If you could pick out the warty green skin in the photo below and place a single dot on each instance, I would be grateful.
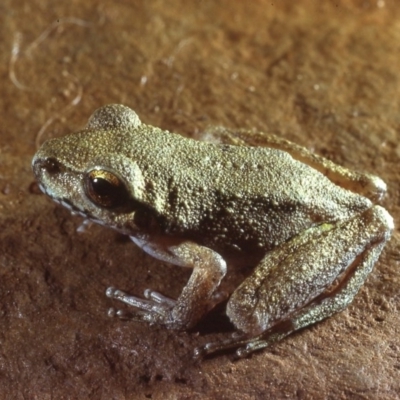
(227, 197)
(224, 203)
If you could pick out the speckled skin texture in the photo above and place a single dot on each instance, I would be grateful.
(322, 74)
(197, 200)
(231, 198)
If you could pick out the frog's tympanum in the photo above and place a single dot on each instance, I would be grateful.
(309, 228)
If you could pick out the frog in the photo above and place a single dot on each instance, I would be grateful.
(309, 229)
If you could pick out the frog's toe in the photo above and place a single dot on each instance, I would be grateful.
(154, 309)
(159, 298)
(110, 292)
(136, 315)
(259, 343)
(236, 339)
(150, 306)
(113, 312)
(244, 344)
(118, 313)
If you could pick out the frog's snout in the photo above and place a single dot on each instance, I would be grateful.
(46, 168)
(49, 174)
(48, 165)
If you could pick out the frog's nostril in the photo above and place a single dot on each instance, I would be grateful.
(49, 164)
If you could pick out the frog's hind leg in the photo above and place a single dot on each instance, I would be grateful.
(318, 311)
(365, 184)
(269, 305)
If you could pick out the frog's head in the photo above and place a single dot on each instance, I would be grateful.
(89, 174)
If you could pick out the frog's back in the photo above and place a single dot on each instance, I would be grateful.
(247, 199)
(258, 196)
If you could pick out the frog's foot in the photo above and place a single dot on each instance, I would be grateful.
(200, 294)
(154, 308)
(242, 342)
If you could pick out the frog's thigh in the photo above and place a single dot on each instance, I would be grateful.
(296, 283)
(367, 185)
(197, 297)
(315, 311)
(341, 298)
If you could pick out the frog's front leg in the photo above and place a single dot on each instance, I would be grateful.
(309, 278)
(197, 297)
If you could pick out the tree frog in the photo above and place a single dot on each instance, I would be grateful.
(309, 227)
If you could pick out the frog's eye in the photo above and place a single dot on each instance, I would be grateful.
(105, 189)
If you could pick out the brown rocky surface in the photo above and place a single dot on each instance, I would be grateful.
(323, 74)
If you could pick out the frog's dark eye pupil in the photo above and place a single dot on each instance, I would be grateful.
(105, 189)
(102, 187)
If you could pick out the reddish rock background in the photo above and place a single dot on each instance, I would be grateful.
(323, 74)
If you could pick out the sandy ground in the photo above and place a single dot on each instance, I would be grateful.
(323, 74)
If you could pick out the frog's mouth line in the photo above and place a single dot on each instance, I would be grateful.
(68, 205)
(75, 211)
